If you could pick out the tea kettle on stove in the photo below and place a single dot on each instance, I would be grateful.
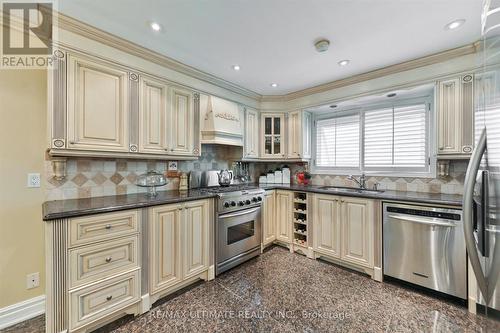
(225, 177)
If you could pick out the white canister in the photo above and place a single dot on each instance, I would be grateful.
(262, 180)
(286, 175)
(270, 178)
(278, 177)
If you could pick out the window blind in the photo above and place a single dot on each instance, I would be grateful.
(396, 137)
(337, 142)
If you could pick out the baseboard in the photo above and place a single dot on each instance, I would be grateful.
(19, 312)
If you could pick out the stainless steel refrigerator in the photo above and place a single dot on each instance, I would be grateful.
(481, 203)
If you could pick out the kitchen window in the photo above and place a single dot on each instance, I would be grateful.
(380, 140)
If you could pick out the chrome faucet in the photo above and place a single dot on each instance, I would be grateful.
(361, 182)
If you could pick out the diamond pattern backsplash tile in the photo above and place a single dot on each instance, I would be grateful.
(98, 177)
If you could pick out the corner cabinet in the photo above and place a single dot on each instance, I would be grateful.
(299, 135)
(455, 117)
(269, 218)
(273, 136)
(251, 141)
(284, 216)
(99, 108)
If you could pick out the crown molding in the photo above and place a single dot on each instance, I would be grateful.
(392, 69)
(85, 30)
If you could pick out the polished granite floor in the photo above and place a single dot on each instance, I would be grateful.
(283, 292)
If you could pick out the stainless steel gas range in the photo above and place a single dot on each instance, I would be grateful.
(238, 224)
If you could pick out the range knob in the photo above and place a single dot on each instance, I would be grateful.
(259, 198)
(247, 202)
(226, 204)
(241, 203)
(254, 199)
(233, 203)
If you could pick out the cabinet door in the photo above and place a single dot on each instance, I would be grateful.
(165, 246)
(98, 105)
(153, 116)
(195, 238)
(182, 124)
(251, 134)
(357, 231)
(326, 219)
(269, 221)
(449, 117)
(284, 216)
(294, 135)
(273, 136)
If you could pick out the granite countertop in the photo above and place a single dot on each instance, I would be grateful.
(59, 209)
(79, 207)
(419, 197)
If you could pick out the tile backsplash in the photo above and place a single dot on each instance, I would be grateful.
(100, 177)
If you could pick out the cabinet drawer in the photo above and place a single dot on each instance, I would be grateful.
(98, 301)
(93, 262)
(89, 229)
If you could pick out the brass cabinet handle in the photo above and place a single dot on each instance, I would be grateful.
(108, 259)
(109, 298)
(108, 226)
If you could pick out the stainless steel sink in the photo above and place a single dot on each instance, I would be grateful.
(349, 189)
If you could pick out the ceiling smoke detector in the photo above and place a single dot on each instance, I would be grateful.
(322, 45)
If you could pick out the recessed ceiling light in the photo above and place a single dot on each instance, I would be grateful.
(343, 62)
(236, 67)
(274, 85)
(322, 45)
(155, 26)
(333, 106)
(454, 24)
(391, 95)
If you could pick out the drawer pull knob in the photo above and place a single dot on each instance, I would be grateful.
(109, 298)
(108, 259)
(108, 226)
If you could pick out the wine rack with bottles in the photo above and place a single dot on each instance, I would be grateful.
(300, 219)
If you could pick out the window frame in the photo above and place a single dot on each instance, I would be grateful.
(430, 170)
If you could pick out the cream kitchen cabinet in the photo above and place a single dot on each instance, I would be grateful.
(273, 136)
(299, 125)
(357, 225)
(455, 117)
(99, 108)
(269, 218)
(179, 244)
(97, 105)
(251, 138)
(343, 229)
(326, 225)
(284, 216)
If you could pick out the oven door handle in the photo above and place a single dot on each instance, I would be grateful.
(239, 213)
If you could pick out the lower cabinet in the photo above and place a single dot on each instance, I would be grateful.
(344, 229)
(284, 216)
(269, 218)
(179, 243)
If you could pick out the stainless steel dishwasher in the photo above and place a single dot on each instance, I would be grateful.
(425, 246)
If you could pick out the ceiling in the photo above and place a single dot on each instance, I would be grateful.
(273, 41)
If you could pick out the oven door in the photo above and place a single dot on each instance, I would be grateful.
(237, 233)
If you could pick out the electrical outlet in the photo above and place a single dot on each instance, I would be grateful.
(32, 280)
(33, 180)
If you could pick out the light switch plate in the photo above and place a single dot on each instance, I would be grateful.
(33, 180)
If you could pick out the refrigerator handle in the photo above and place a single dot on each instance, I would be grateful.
(470, 242)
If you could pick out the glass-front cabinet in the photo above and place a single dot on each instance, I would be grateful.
(273, 135)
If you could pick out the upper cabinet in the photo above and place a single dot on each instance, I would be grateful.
(100, 108)
(97, 104)
(273, 135)
(455, 117)
(299, 135)
(251, 138)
